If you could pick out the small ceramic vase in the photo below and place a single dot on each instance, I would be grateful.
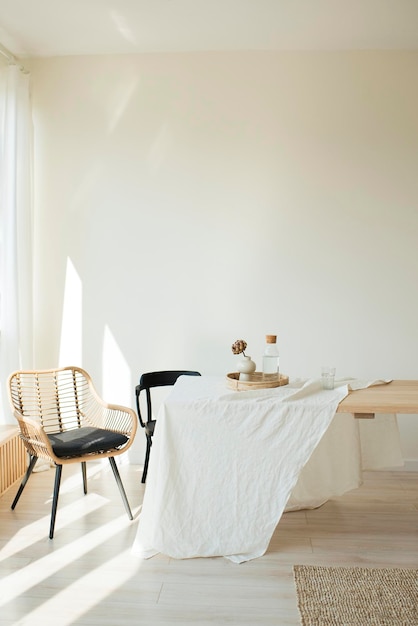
(246, 367)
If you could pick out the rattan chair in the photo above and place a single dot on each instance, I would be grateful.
(147, 382)
(63, 420)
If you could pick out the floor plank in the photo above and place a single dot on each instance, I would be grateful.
(87, 575)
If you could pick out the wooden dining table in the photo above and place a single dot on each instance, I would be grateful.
(226, 464)
(397, 396)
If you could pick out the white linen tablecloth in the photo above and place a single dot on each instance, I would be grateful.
(348, 447)
(224, 463)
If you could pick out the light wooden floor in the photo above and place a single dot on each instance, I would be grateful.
(87, 574)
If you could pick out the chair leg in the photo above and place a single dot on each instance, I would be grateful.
(147, 453)
(57, 483)
(120, 485)
(25, 479)
(84, 471)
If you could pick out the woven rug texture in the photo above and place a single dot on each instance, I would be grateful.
(356, 596)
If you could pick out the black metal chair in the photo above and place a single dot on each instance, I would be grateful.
(146, 383)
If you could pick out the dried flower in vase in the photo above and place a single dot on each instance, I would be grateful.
(239, 346)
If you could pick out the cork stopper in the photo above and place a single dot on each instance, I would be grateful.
(271, 338)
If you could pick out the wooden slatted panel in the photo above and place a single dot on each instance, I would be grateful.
(13, 457)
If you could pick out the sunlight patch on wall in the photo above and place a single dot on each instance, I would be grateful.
(117, 384)
(71, 328)
(124, 93)
(122, 26)
(159, 149)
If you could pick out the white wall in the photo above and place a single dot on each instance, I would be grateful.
(201, 198)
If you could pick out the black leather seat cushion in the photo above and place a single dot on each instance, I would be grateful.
(84, 440)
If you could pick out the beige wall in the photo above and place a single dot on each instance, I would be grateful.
(188, 200)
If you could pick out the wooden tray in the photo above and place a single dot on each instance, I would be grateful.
(257, 381)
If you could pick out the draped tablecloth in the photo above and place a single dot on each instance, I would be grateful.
(224, 464)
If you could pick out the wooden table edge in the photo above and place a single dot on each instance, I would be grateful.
(398, 396)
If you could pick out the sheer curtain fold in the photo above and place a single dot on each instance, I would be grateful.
(16, 311)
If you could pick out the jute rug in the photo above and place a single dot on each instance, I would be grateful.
(356, 596)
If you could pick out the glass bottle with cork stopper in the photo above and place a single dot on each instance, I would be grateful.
(271, 359)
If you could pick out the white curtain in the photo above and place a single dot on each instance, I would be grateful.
(16, 343)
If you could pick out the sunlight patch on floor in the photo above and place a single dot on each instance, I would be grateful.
(97, 591)
(35, 573)
(39, 529)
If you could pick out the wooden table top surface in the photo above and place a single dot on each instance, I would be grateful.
(398, 396)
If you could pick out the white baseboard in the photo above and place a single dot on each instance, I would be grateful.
(410, 465)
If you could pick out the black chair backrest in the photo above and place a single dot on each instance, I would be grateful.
(157, 379)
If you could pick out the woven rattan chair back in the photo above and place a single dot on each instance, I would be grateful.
(58, 410)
